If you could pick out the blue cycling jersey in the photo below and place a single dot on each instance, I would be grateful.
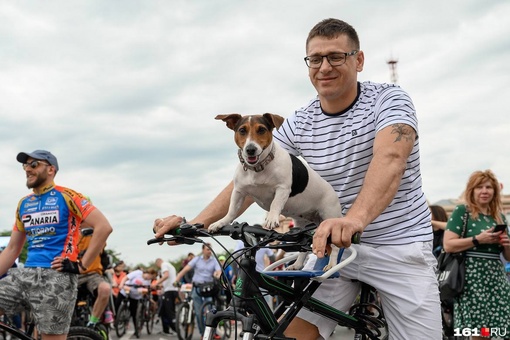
(51, 221)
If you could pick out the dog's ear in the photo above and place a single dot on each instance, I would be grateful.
(275, 120)
(230, 119)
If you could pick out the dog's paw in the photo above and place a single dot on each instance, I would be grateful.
(294, 267)
(327, 267)
(270, 223)
(214, 227)
(333, 257)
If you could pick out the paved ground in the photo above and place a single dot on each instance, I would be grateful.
(340, 334)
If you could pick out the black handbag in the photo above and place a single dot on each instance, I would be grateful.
(451, 271)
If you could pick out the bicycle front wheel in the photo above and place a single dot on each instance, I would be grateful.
(185, 321)
(149, 319)
(140, 315)
(83, 333)
(224, 328)
(122, 320)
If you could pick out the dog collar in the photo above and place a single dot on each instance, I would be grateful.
(260, 166)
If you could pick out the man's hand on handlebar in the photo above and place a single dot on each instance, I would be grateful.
(164, 225)
(340, 230)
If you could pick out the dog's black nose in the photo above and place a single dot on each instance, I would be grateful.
(251, 150)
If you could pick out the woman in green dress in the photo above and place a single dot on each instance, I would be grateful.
(485, 302)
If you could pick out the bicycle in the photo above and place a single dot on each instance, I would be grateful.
(122, 317)
(83, 309)
(75, 333)
(248, 303)
(85, 301)
(185, 314)
(218, 303)
(145, 311)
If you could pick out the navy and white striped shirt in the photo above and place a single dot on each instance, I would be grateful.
(339, 147)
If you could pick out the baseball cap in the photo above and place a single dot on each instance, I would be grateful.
(40, 155)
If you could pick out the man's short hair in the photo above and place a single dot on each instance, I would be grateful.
(332, 28)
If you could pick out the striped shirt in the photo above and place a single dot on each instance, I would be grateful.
(339, 147)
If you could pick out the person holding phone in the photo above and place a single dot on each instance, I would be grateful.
(485, 301)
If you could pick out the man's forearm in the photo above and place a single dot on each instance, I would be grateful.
(379, 188)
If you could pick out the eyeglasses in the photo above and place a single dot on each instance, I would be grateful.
(334, 59)
(33, 164)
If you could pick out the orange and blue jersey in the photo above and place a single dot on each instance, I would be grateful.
(51, 221)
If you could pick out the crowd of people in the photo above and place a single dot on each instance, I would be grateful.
(362, 137)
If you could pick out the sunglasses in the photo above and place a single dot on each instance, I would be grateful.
(33, 164)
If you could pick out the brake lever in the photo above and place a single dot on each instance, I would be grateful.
(176, 239)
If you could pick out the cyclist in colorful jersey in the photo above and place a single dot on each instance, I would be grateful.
(49, 220)
(362, 138)
(95, 282)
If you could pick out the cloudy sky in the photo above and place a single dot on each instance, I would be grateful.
(124, 93)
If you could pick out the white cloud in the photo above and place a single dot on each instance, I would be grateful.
(125, 93)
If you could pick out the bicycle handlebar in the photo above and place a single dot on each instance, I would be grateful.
(295, 239)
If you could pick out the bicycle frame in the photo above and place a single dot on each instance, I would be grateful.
(248, 304)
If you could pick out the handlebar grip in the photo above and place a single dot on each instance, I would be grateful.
(186, 230)
(356, 238)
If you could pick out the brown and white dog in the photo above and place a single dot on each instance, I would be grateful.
(278, 182)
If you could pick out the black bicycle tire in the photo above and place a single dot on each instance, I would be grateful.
(122, 320)
(139, 318)
(82, 333)
(103, 330)
(15, 333)
(204, 309)
(150, 319)
(224, 328)
(183, 328)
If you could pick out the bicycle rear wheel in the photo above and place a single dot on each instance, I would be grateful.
(185, 321)
(83, 333)
(122, 320)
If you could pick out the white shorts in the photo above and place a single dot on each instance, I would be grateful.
(405, 279)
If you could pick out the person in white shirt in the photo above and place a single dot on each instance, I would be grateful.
(167, 310)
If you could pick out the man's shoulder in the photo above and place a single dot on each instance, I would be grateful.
(165, 266)
(377, 87)
(68, 191)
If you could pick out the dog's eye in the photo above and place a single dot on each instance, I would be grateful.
(242, 131)
(261, 130)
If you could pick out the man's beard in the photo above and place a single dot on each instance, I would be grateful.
(37, 183)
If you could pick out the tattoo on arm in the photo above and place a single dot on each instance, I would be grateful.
(403, 132)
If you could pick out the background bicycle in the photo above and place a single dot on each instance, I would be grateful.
(75, 332)
(83, 310)
(123, 315)
(185, 314)
(146, 310)
(218, 303)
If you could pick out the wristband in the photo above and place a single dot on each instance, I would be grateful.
(475, 241)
